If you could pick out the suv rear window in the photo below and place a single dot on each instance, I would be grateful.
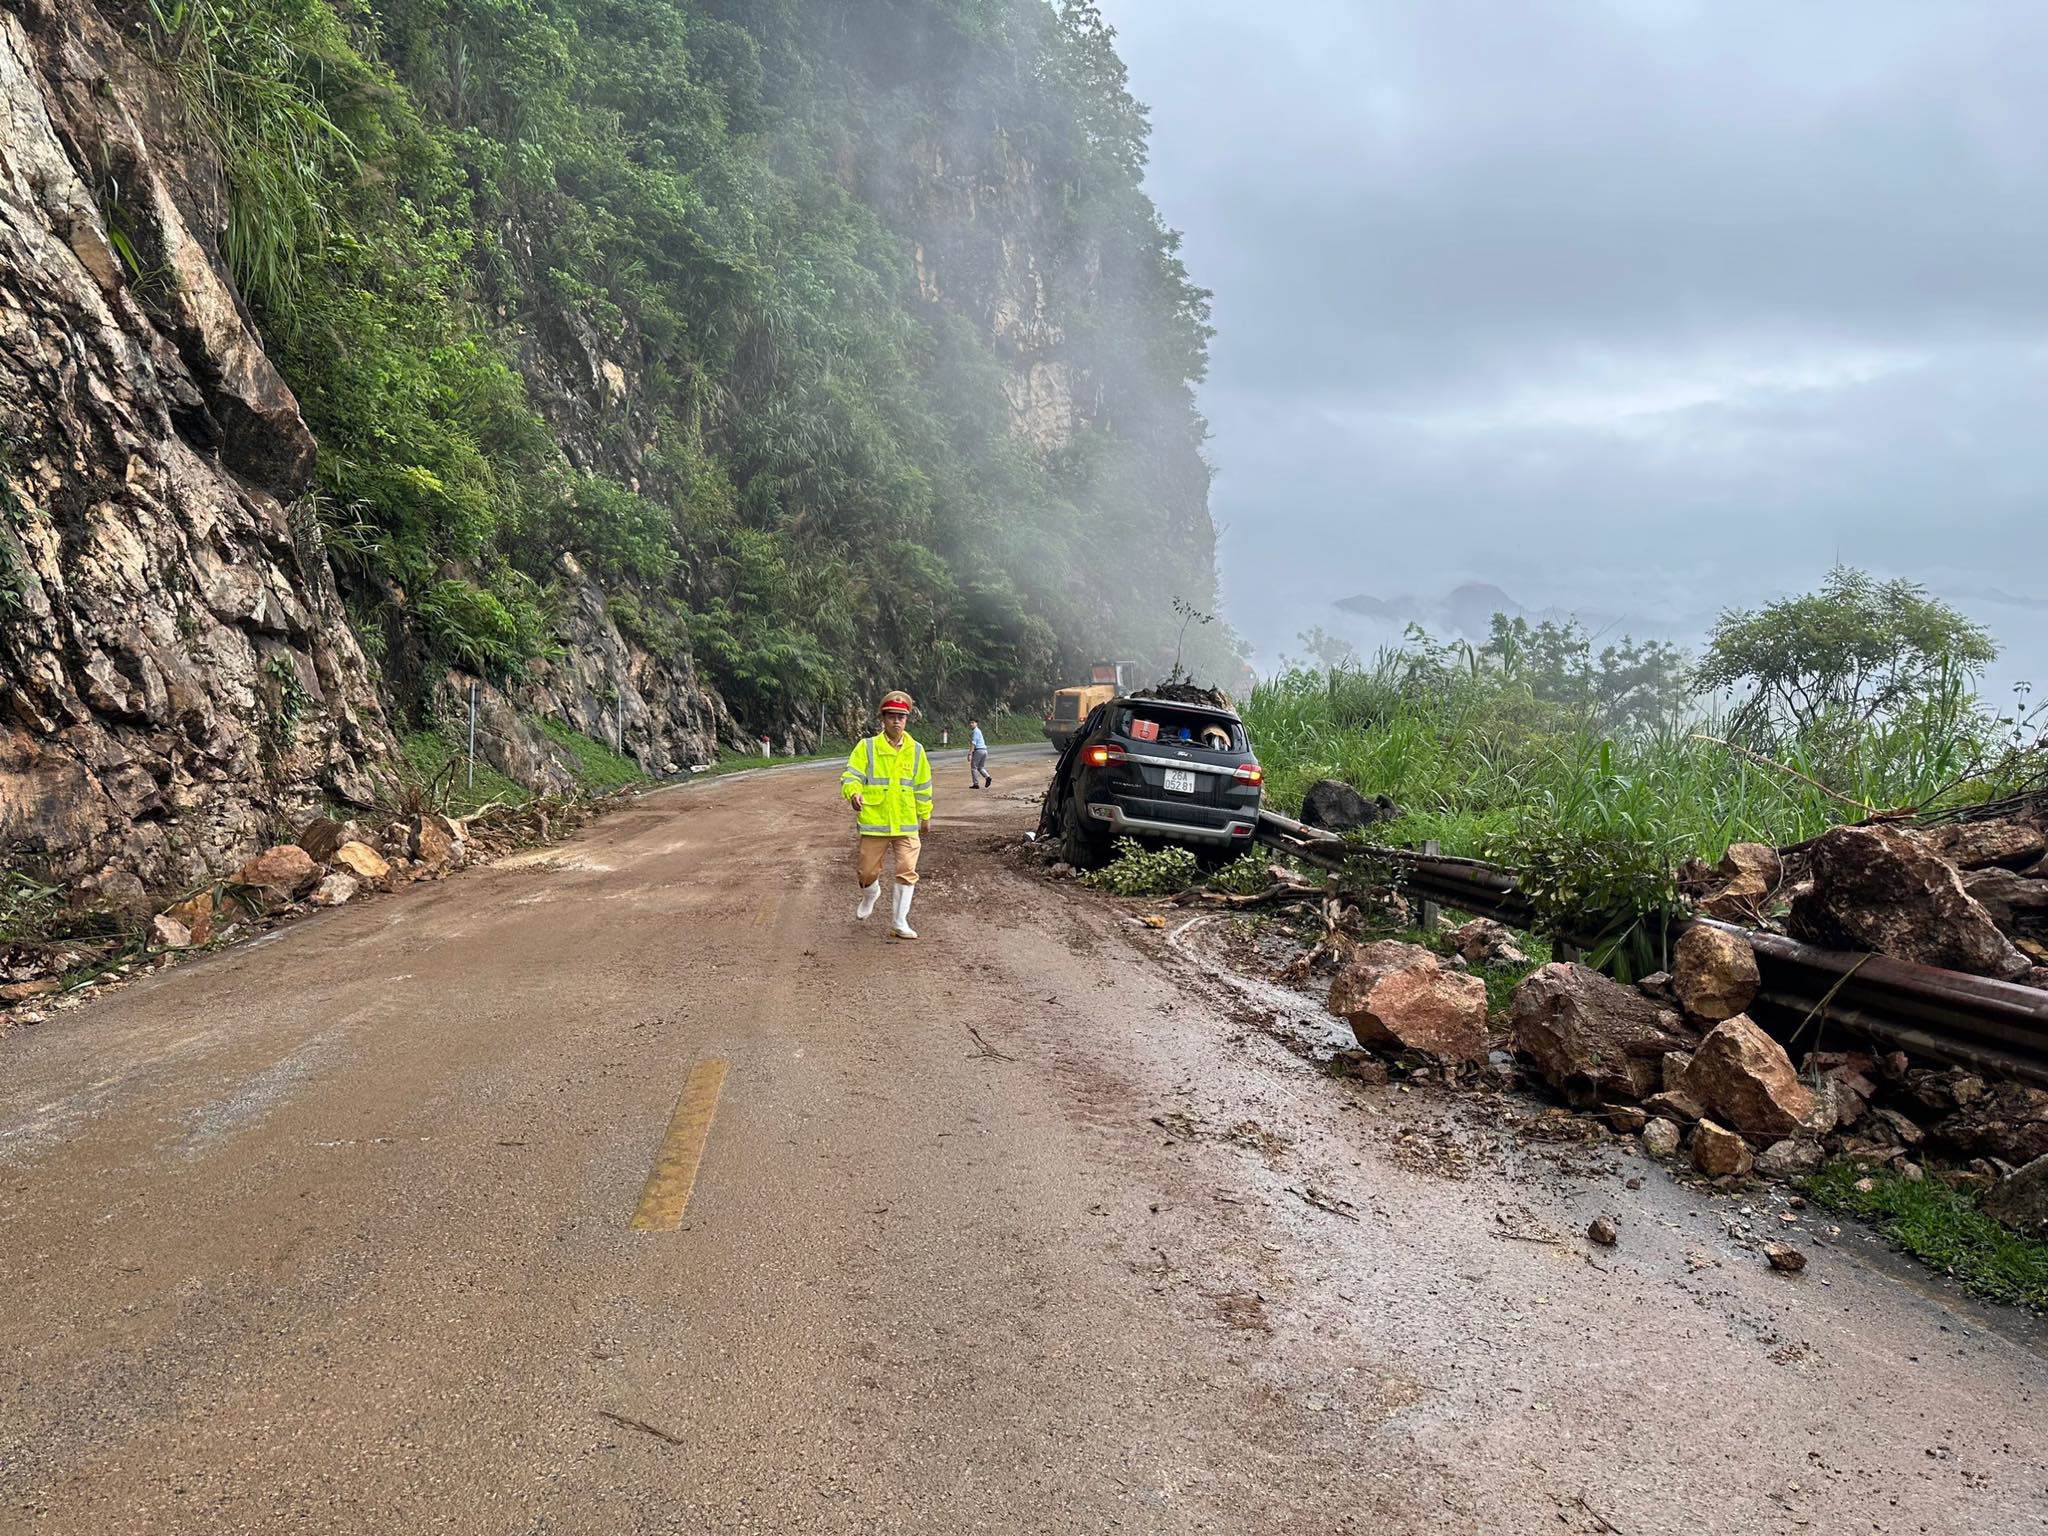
(1180, 726)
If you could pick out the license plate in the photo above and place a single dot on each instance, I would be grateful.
(1180, 780)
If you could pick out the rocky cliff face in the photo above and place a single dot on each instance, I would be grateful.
(176, 675)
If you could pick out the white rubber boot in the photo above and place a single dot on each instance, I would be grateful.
(902, 928)
(869, 895)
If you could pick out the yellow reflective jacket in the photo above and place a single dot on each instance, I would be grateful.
(894, 784)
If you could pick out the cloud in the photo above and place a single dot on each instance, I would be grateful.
(1618, 299)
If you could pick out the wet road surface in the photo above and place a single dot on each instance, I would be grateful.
(1035, 1225)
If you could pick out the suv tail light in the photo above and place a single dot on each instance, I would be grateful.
(1250, 773)
(1103, 756)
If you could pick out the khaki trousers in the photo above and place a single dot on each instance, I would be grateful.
(870, 861)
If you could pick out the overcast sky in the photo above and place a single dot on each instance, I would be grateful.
(1637, 308)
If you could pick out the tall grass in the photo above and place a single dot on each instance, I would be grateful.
(1474, 765)
(1600, 818)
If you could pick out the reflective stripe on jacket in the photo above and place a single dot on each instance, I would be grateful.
(894, 783)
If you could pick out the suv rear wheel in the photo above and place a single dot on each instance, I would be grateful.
(1078, 845)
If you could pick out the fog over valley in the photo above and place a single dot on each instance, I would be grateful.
(1633, 310)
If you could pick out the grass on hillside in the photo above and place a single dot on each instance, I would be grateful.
(430, 758)
(599, 770)
(1941, 1227)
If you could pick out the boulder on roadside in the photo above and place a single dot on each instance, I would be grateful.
(1790, 1159)
(196, 915)
(1662, 1138)
(2009, 1122)
(22, 991)
(1486, 942)
(323, 834)
(1783, 1256)
(166, 932)
(1883, 890)
(1719, 1153)
(1671, 1071)
(1400, 995)
(1743, 1077)
(282, 872)
(1335, 806)
(2006, 896)
(2020, 1200)
(1714, 972)
(434, 841)
(1976, 844)
(1592, 1038)
(1674, 1104)
(1742, 884)
(360, 860)
(334, 890)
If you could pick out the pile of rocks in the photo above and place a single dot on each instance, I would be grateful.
(1676, 1061)
(1963, 895)
(331, 863)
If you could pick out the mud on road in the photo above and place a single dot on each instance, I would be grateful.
(1044, 1223)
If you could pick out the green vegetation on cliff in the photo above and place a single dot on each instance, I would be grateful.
(745, 303)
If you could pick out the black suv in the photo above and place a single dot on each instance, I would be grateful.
(1158, 771)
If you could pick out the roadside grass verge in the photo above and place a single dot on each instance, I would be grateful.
(599, 770)
(428, 757)
(1942, 1228)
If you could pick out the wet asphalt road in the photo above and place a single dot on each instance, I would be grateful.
(1027, 1227)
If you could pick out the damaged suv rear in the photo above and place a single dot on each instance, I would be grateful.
(1160, 770)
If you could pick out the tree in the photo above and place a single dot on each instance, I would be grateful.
(1857, 650)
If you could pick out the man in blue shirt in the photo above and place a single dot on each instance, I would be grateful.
(977, 757)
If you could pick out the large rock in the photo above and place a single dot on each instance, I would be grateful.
(1486, 942)
(360, 860)
(1714, 972)
(1718, 1152)
(281, 872)
(1400, 995)
(1883, 890)
(1742, 885)
(334, 890)
(1790, 1159)
(2020, 1200)
(195, 914)
(434, 841)
(1592, 1038)
(1742, 1077)
(2010, 1122)
(2006, 896)
(323, 834)
(1975, 844)
(1335, 806)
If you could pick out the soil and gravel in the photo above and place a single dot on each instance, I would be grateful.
(1051, 1221)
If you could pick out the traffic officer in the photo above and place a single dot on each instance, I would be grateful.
(888, 782)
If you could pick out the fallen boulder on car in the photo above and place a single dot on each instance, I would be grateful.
(1742, 1077)
(1400, 996)
(1593, 1039)
(1883, 890)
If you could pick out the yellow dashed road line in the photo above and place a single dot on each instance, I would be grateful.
(674, 1175)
